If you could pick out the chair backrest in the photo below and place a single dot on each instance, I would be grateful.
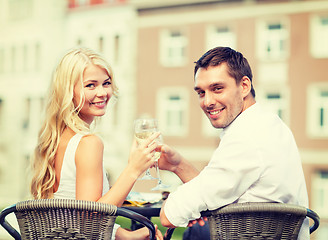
(67, 219)
(258, 221)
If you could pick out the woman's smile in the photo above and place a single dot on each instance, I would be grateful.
(95, 90)
(100, 104)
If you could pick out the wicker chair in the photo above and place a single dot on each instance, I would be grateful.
(67, 219)
(270, 221)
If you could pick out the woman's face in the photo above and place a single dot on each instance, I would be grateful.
(97, 89)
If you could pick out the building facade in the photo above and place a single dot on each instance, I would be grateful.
(27, 55)
(286, 44)
(34, 35)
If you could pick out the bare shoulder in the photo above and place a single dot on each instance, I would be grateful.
(91, 141)
(90, 145)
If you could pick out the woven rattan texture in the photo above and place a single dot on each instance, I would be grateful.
(65, 219)
(250, 221)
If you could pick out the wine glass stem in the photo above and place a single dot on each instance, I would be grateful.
(147, 173)
(157, 172)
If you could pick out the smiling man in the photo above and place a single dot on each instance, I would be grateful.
(257, 159)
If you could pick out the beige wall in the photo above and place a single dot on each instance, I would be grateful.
(303, 70)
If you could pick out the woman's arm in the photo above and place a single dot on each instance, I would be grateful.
(139, 234)
(89, 169)
(141, 158)
(89, 177)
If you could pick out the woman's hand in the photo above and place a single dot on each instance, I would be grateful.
(142, 154)
(141, 158)
(139, 234)
(143, 234)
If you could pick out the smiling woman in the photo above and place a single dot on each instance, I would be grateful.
(68, 159)
(93, 92)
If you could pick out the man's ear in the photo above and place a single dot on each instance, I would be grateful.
(246, 86)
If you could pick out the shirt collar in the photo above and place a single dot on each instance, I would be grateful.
(239, 118)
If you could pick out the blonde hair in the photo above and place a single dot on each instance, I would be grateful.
(61, 113)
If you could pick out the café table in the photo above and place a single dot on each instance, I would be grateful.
(148, 210)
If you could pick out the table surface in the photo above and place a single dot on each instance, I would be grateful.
(148, 210)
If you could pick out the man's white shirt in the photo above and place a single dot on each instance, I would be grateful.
(257, 160)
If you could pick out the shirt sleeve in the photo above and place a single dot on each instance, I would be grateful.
(115, 227)
(234, 167)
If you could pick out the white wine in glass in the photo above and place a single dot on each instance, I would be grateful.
(143, 129)
(160, 185)
(142, 136)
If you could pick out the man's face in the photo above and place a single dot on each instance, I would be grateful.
(221, 99)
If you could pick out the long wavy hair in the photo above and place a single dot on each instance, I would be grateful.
(61, 113)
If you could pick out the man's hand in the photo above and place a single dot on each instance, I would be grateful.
(170, 158)
(172, 161)
(200, 221)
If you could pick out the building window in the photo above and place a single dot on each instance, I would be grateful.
(319, 36)
(117, 46)
(19, 59)
(27, 115)
(220, 36)
(31, 118)
(272, 40)
(320, 193)
(13, 59)
(1, 114)
(2, 174)
(2, 61)
(172, 105)
(275, 102)
(317, 123)
(322, 232)
(20, 9)
(320, 201)
(25, 58)
(82, 2)
(101, 44)
(173, 48)
(275, 99)
(37, 57)
(79, 42)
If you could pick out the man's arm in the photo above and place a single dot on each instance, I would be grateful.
(172, 161)
(164, 221)
(186, 171)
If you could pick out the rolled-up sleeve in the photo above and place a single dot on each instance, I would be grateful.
(115, 227)
(233, 168)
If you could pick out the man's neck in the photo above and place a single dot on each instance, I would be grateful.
(248, 101)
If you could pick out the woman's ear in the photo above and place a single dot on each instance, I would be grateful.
(246, 86)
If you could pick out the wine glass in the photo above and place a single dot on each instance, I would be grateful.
(143, 128)
(160, 185)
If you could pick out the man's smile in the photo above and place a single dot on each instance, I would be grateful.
(215, 113)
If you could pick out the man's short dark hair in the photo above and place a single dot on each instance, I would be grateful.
(238, 66)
